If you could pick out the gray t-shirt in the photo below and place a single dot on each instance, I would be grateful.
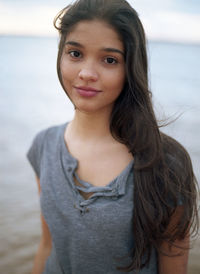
(88, 236)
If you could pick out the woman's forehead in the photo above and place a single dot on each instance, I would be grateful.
(95, 33)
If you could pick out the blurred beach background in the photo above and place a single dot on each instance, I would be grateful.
(31, 99)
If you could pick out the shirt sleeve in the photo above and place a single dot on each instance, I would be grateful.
(34, 153)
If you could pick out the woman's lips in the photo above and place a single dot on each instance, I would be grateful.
(87, 91)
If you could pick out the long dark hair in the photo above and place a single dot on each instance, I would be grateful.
(163, 174)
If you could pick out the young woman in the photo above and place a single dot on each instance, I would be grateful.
(117, 195)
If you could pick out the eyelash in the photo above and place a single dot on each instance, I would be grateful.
(71, 52)
(114, 59)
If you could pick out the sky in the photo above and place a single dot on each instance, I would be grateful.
(169, 20)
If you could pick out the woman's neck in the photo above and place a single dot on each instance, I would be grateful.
(90, 126)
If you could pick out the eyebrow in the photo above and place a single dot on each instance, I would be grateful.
(76, 44)
(113, 50)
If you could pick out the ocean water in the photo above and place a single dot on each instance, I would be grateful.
(31, 99)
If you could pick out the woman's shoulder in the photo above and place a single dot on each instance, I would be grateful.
(45, 141)
(51, 132)
(175, 155)
(47, 137)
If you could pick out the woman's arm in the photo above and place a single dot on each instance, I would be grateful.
(44, 246)
(174, 264)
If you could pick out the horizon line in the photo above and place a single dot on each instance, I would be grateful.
(149, 39)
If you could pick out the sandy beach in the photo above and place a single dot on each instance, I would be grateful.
(194, 259)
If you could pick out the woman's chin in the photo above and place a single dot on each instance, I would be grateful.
(92, 109)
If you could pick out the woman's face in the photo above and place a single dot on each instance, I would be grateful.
(92, 66)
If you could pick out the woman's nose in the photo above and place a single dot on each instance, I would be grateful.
(88, 74)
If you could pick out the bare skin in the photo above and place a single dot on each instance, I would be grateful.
(167, 264)
(89, 61)
(96, 151)
(45, 244)
(176, 264)
(94, 154)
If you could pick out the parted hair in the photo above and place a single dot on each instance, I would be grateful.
(163, 173)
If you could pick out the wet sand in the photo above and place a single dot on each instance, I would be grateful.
(194, 259)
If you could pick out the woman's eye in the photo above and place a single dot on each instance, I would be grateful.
(74, 53)
(110, 60)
